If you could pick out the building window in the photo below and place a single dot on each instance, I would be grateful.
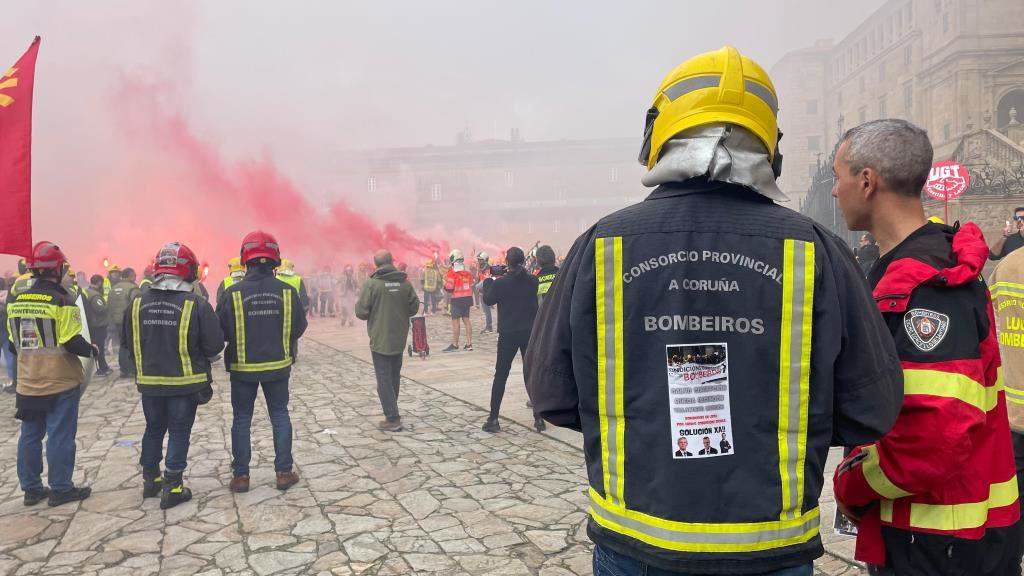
(908, 98)
(613, 175)
(812, 106)
(899, 21)
(529, 226)
(910, 13)
(881, 71)
(813, 143)
(862, 83)
(435, 192)
(862, 115)
(945, 21)
(883, 108)
(947, 132)
(555, 227)
(907, 53)
(371, 184)
(510, 178)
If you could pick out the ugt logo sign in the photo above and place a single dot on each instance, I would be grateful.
(947, 180)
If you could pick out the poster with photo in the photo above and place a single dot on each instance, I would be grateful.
(698, 396)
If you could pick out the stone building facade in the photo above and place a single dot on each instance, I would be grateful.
(504, 190)
(953, 67)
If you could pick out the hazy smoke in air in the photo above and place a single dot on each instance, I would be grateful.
(175, 186)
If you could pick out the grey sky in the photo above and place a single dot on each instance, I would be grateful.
(299, 81)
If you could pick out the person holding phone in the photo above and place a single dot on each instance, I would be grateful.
(1012, 238)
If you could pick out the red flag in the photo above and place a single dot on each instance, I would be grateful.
(16, 154)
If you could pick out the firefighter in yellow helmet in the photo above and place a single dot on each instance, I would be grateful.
(286, 273)
(711, 344)
(113, 277)
(236, 271)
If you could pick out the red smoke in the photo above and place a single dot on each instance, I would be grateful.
(173, 185)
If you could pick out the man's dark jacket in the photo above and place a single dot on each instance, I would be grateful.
(515, 293)
(807, 363)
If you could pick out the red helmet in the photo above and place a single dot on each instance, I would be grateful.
(260, 244)
(48, 256)
(179, 260)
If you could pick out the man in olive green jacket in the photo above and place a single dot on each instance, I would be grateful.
(386, 302)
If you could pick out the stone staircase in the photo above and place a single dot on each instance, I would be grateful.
(989, 147)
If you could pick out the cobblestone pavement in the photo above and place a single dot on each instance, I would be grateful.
(442, 497)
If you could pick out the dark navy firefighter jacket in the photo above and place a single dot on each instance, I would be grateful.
(262, 318)
(169, 338)
(709, 314)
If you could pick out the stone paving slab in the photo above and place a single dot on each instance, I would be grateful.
(442, 497)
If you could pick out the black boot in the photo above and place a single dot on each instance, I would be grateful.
(152, 483)
(73, 495)
(174, 492)
(491, 425)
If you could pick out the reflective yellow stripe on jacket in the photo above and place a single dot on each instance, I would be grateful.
(187, 377)
(794, 371)
(952, 385)
(612, 511)
(240, 364)
(950, 517)
(1006, 289)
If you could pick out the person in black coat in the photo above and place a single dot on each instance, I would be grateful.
(514, 291)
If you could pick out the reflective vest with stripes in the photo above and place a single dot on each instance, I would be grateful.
(262, 319)
(293, 280)
(171, 337)
(947, 465)
(697, 340)
(40, 320)
(545, 276)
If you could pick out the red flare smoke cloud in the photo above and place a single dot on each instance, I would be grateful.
(173, 185)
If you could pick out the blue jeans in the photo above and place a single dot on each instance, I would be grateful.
(243, 400)
(608, 562)
(59, 427)
(172, 416)
(10, 360)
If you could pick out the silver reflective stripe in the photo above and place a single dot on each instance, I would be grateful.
(691, 85)
(697, 535)
(794, 376)
(608, 257)
(762, 93)
(47, 324)
(688, 85)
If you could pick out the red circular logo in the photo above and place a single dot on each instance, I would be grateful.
(948, 180)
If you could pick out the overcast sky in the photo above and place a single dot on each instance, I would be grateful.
(299, 81)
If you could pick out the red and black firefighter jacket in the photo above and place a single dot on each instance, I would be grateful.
(262, 318)
(946, 467)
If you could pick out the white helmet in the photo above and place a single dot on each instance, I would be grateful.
(483, 256)
(455, 256)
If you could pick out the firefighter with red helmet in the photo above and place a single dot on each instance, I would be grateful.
(262, 319)
(170, 335)
(46, 327)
